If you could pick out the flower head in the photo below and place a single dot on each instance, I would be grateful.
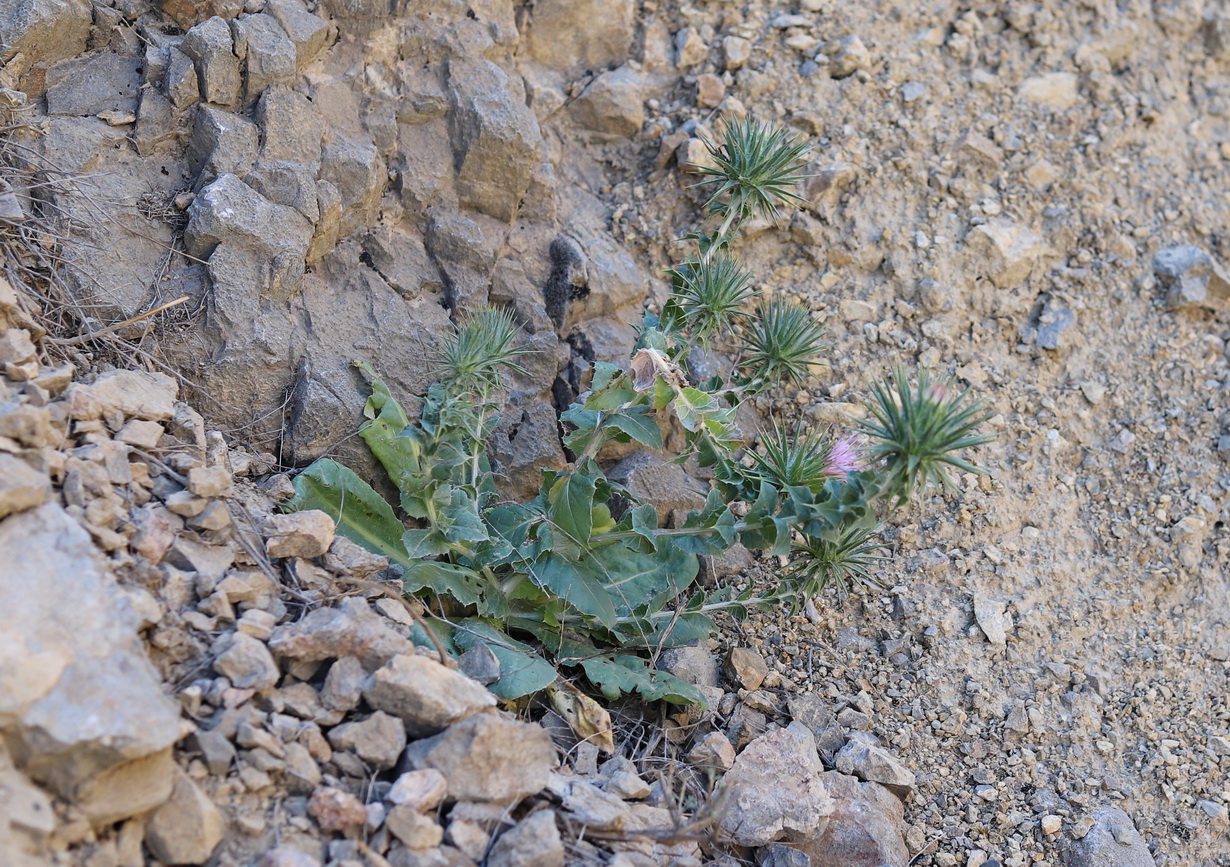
(845, 458)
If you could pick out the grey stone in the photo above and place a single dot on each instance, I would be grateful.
(480, 664)
(181, 82)
(21, 486)
(351, 629)
(291, 127)
(465, 247)
(533, 842)
(401, 259)
(1113, 841)
(355, 168)
(287, 183)
(574, 35)
(222, 143)
(97, 82)
(230, 211)
(349, 558)
(155, 123)
(216, 749)
(696, 664)
(425, 694)
(711, 752)
(495, 137)
(523, 445)
(44, 31)
(815, 713)
(248, 664)
(268, 54)
(309, 33)
(778, 855)
(990, 616)
(874, 764)
(865, 828)
(77, 695)
(1191, 277)
(665, 486)
(343, 685)
(377, 740)
(488, 758)
(187, 828)
(613, 104)
(211, 48)
(777, 789)
(1054, 326)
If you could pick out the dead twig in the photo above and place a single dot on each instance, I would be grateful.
(111, 329)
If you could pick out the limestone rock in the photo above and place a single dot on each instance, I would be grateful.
(864, 830)
(44, 31)
(1191, 277)
(1006, 251)
(573, 35)
(377, 740)
(268, 54)
(667, 487)
(300, 534)
(335, 809)
(422, 790)
(229, 211)
(133, 393)
(211, 49)
(746, 668)
(247, 663)
(86, 86)
(222, 143)
(712, 752)
(613, 104)
(1055, 89)
(355, 168)
(1113, 841)
(21, 486)
(351, 629)
(488, 758)
(425, 694)
(309, 33)
(533, 842)
(77, 695)
(495, 138)
(874, 764)
(187, 828)
(777, 789)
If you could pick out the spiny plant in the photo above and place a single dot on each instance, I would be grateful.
(560, 583)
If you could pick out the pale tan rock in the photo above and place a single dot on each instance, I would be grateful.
(187, 828)
(425, 694)
(1056, 89)
(133, 393)
(300, 534)
(21, 486)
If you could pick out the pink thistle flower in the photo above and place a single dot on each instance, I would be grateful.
(845, 458)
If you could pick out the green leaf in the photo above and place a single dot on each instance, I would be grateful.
(692, 404)
(581, 585)
(572, 504)
(522, 671)
(638, 423)
(464, 585)
(635, 580)
(361, 514)
(620, 674)
(644, 520)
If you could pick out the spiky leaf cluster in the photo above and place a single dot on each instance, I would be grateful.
(783, 343)
(843, 561)
(917, 431)
(710, 294)
(479, 347)
(755, 170)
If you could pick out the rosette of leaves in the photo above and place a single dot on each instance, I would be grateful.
(563, 585)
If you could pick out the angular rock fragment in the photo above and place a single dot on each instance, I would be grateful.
(21, 486)
(865, 828)
(533, 842)
(573, 35)
(187, 828)
(424, 694)
(874, 764)
(613, 104)
(350, 629)
(488, 758)
(211, 49)
(1191, 277)
(777, 790)
(300, 534)
(1112, 841)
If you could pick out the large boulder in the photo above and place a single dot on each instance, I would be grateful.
(79, 700)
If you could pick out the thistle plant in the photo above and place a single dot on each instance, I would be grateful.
(559, 586)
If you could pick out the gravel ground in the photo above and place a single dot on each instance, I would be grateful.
(993, 186)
